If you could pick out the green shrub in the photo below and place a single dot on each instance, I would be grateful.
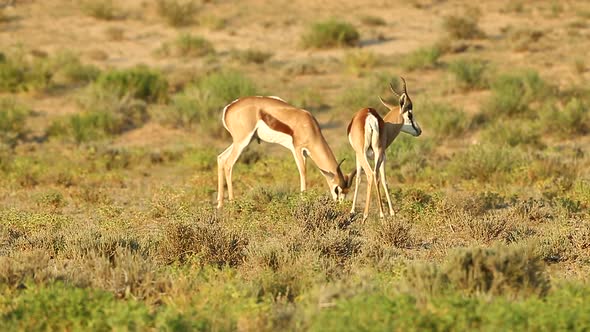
(202, 102)
(423, 58)
(408, 150)
(187, 45)
(250, 56)
(70, 70)
(444, 120)
(513, 93)
(13, 118)
(514, 133)
(19, 74)
(373, 310)
(101, 9)
(52, 198)
(462, 27)
(572, 120)
(470, 74)
(139, 82)
(61, 307)
(178, 13)
(331, 33)
(105, 114)
(485, 162)
(207, 240)
(510, 271)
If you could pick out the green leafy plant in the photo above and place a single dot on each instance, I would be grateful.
(331, 33)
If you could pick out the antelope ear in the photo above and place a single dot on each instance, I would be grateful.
(385, 103)
(327, 174)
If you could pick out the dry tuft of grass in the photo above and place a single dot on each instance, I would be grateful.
(463, 27)
(331, 33)
(178, 13)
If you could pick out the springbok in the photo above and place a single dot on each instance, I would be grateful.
(370, 135)
(273, 120)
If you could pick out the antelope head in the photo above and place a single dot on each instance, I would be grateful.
(340, 183)
(410, 125)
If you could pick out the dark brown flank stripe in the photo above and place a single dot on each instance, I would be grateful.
(376, 115)
(275, 124)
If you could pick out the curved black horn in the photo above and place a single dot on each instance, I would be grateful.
(405, 90)
(393, 90)
(341, 161)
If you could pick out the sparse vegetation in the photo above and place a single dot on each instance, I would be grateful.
(139, 82)
(470, 74)
(201, 102)
(105, 114)
(423, 58)
(187, 45)
(331, 33)
(463, 27)
(108, 169)
(513, 93)
(102, 9)
(13, 117)
(360, 61)
(372, 20)
(251, 56)
(178, 13)
(443, 120)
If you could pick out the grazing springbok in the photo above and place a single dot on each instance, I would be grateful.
(273, 120)
(370, 135)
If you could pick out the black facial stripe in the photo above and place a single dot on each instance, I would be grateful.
(413, 126)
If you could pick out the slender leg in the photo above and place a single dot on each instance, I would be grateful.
(362, 158)
(300, 160)
(231, 159)
(221, 159)
(358, 181)
(385, 187)
(378, 160)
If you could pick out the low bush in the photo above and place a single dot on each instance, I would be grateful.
(573, 120)
(187, 45)
(17, 73)
(443, 120)
(331, 33)
(484, 162)
(105, 114)
(470, 74)
(423, 58)
(514, 271)
(465, 27)
(513, 93)
(201, 102)
(13, 118)
(177, 13)
(521, 133)
(102, 9)
(205, 241)
(138, 82)
(251, 56)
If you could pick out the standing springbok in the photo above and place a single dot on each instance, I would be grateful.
(272, 120)
(370, 135)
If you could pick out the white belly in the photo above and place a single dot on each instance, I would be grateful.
(266, 134)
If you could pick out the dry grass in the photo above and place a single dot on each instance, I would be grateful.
(108, 163)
